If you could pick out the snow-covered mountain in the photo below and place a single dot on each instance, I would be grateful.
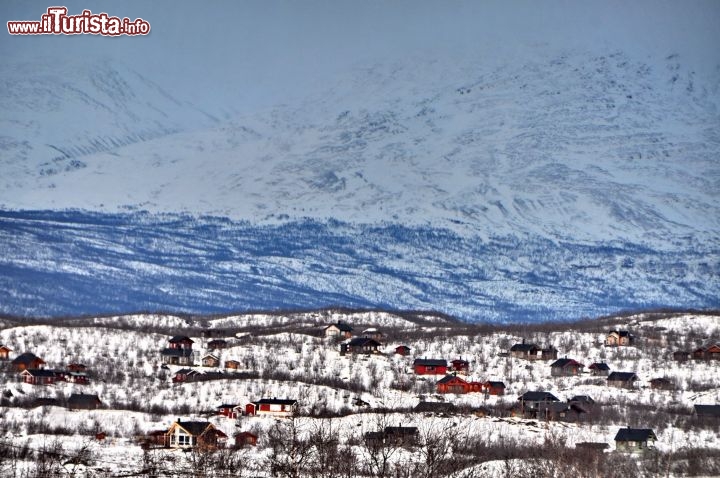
(566, 146)
(57, 116)
(476, 188)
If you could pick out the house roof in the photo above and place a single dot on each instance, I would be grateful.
(451, 378)
(5, 347)
(275, 401)
(622, 377)
(193, 428)
(404, 347)
(524, 348)
(439, 407)
(708, 410)
(493, 384)
(178, 339)
(431, 362)
(599, 366)
(77, 399)
(460, 361)
(341, 326)
(582, 399)
(591, 445)
(226, 405)
(26, 359)
(177, 352)
(538, 396)
(635, 434)
(185, 371)
(566, 362)
(401, 431)
(621, 333)
(36, 372)
(244, 434)
(363, 342)
(217, 343)
(210, 356)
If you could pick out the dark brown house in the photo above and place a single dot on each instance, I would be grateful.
(360, 345)
(599, 369)
(533, 352)
(709, 352)
(662, 383)
(5, 352)
(708, 412)
(232, 364)
(531, 401)
(27, 360)
(622, 379)
(635, 439)
(566, 367)
(681, 356)
(83, 401)
(217, 344)
(179, 351)
(559, 411)
(403, 350)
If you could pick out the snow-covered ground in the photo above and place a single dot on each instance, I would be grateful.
(126, 372)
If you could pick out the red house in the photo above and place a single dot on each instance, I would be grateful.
(180, 342)
(232, 364)
(272, 406)
(455, 384)
(403, 350)
(430, 366)
(460, 366)
(186, 375)
(494, 388)
(229, 410)
(38, 376)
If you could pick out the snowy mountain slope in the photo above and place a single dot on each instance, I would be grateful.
(54, 114)
(561, 146)
(72, 263)
(566, 185)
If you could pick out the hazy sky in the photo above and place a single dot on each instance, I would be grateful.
(252, 50)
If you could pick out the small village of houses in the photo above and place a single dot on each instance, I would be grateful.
(453, 376)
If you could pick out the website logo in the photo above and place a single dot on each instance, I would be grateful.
(57, 22)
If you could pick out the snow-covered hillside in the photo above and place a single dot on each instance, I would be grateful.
(123, 359)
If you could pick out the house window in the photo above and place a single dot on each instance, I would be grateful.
(184, 440)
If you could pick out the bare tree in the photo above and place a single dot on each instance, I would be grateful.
(289, 452)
